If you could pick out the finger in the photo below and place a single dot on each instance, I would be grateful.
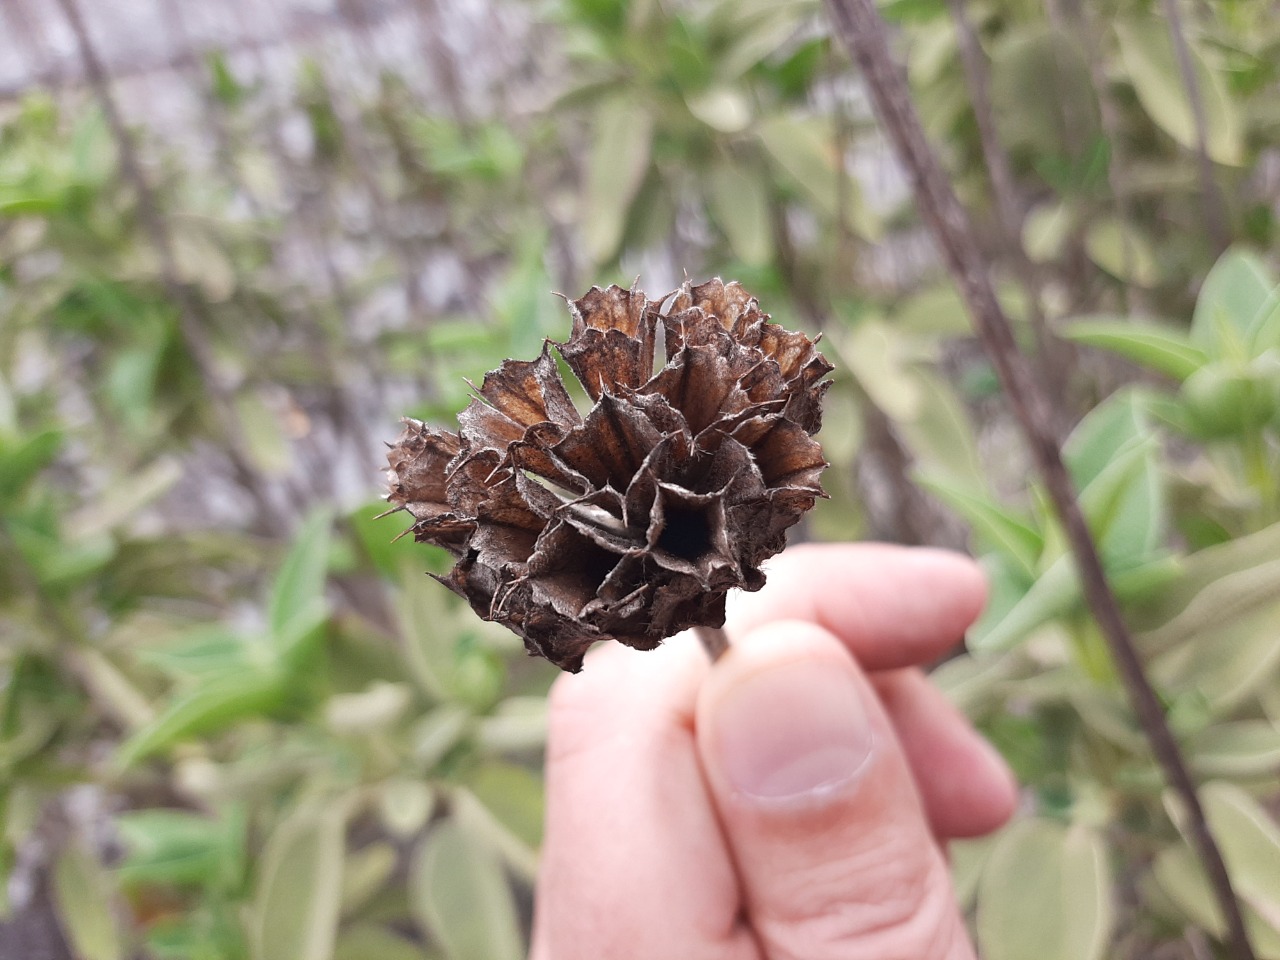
(633, 864)
(834, 853)
(891, 606)
(966, 787)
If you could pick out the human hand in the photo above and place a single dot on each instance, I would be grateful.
(791, 801)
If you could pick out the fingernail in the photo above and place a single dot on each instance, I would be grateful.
(797, 730)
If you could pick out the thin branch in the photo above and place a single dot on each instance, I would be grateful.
(999, 168)
(1112, 129)
(442, 61)
(910, 515)
(1215, 212)
(191, 318)
(862, 30)
(714, 640)
(1004, 188)
(366, 171)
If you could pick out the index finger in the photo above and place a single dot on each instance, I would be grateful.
(935, 595)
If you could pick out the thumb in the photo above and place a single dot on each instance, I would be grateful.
(818, 805)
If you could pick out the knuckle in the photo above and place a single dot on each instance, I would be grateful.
(912, 916)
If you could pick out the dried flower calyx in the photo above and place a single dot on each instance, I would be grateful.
(633, 521)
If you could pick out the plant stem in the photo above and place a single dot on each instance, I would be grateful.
(192, 319)
(1005, 192)
(1214, 208)
(714, 640)
(1083, 17)
(1258, 474)
(860, 27)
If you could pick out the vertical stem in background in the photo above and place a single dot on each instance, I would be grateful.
(859, 26)
(1005, 191)
(442, 61)
(192, 319)
(17, 17)
(1111, 129)
(1215, 211)
(367, 167)
(714, 640)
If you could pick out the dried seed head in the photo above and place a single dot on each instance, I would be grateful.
(634, 521)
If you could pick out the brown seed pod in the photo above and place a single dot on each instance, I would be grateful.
(634, 521)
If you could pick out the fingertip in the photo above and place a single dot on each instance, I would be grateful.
(999, 789)
(959, 578)
(891, 606)
(818, 803)
(967, 788)
(780, 716)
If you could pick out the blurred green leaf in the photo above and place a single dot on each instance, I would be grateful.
(405, 806)
(1054, 593)
(514, 796)
(516, 724)
(296, 907)
(367, 941)
(212, 706)
(1057, 875)
(1163, 350)
(1122, 251)
(618, 162)
(1124, 504)
(86, 910)
(1242, 658)
(1245, 748)
(21, 458)
(263, 435)
(1178, 873)
(59, 562)
(297, 597)
(1250, 844)
(1012, 537)
(377, 538)
(461, 896)
(1228, 399)
(805, 153)
(222, 81)
(1046, 230)
(1250, 841)
(1033, 65)
(739, 203)
(1234, 294)
(723, 108)
(1148, 54)
(174, 847)
(1234, 576)
(365, 873)
(1108, 429)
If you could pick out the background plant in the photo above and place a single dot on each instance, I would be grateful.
(226, 697)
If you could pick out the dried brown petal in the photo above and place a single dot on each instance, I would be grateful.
(634, 521)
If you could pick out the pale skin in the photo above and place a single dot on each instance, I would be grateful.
(792, 801)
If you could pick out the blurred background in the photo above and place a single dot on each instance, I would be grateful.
(239, 239)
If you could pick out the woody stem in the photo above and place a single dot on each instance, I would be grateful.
(714, 640)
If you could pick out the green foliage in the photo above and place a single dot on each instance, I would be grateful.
(309, 750)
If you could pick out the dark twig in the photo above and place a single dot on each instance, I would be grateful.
(1215, 213)
(714, 640)
(1004, 190)
(862, 30)
(1112, 129)
(192, 319)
